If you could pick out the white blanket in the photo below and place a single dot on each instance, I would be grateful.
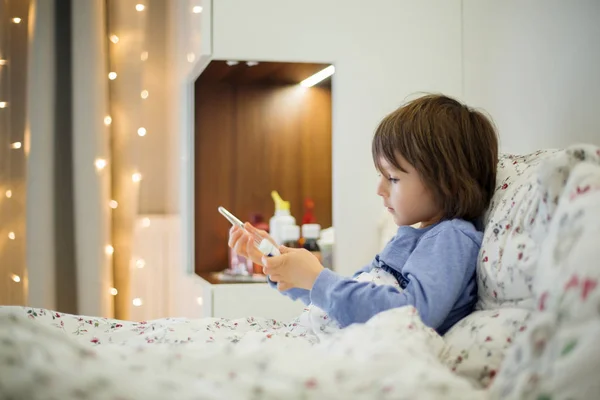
(316, 322)
(47, 355)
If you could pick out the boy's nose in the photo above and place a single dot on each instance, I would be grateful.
(381, 191)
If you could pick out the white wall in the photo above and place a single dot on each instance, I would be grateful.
(188, 44)
(383, 51)
(535, 67)
(91, 141)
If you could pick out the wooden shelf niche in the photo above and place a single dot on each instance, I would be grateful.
(258, 130)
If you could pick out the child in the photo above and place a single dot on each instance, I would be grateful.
(437, 163)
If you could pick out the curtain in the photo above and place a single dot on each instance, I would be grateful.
(14, 146)
(95, 125)
(54, 212)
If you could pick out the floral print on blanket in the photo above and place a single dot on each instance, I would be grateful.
(394, 355)
(98, 331)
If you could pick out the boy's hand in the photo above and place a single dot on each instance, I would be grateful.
(243, 243)
(293, 268)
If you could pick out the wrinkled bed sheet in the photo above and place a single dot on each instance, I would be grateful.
(48, 355)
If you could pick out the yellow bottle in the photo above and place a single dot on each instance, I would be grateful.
(281, 218)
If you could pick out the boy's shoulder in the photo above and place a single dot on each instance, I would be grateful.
(455, 226)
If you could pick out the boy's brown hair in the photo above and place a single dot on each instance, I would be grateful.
(453, 147)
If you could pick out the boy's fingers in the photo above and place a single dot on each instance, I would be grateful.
(249, 227)
(259, 232)
(253, 253)
(273, 263)
(234, 236)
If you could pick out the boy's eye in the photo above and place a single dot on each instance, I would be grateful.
(393, 180)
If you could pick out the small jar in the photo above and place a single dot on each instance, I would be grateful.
(291, 236)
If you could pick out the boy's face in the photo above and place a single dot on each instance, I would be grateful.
(405, 195)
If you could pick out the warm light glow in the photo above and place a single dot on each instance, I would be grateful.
(16, 278)
(191, 57)
(8, 194)
(16, 145)
(144, 94)
(3, 104)
(197, 9)
(142, 132)
(146, 222)
(114, 39)
(136, 177)
(114, 291)
(107, 120)
(318, 77)
(144, 56)
(11, 235)
(100, 163)
(139, 7)
(109, 250)
(140, 263)
(16, 20)
(200, 301)
(137, 302)
(2, 62)
(113, 204)
(112, 76)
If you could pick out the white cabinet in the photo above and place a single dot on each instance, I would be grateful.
(238, 300)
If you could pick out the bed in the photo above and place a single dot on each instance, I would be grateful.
(533, 335)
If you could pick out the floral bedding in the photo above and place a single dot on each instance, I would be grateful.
(533, 336)
(49, 355)
(558, 356)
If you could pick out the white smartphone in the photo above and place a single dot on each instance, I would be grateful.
(264, 245)
(231, 218)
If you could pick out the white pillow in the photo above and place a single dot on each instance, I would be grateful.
(515, 224)
(558, 356)
(476, 345)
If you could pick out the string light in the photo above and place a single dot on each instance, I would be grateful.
(114, 291)
(137, 302)
(16, 278)
(109, 250)
(139, 7)
(140, 263)
(142, 132)
(144, 94)
(3, 104)
(16, 20)
(197, 9)
(136, 177)
(112, 76)
(16, 145)
(2, 62)
(8, 194)
(191, 57)
(114, 39)
(113, 204)
(146, 222)
(107, 120)
(200, 301)
(11, 235)
(144, 56)
(100, 163)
